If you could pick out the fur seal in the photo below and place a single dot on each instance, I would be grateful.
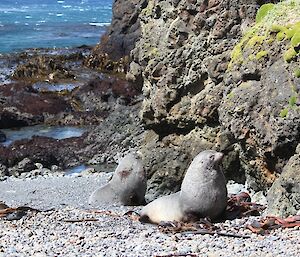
(127, 186)
(203, 189)
(203, 193)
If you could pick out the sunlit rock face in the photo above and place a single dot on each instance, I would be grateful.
(197, 97)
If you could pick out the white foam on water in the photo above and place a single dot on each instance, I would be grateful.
(99, 24)
(59, 15)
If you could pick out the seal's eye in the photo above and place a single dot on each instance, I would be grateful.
(212, 157)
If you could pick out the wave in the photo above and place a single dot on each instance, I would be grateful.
(99, 24)
(11, 10)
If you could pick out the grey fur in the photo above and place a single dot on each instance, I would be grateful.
(203, 193)
(203, 190)
(127, 186)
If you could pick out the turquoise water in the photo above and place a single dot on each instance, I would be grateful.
(51, 23)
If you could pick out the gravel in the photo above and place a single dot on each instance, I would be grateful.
(68, 226)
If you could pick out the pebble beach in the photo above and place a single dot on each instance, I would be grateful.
(68, 226)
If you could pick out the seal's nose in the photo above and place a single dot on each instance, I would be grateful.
(219, 156)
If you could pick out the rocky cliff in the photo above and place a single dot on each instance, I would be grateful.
(217, 74)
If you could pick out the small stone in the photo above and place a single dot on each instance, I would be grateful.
(88, 171)
(28, 232)
(38, 165)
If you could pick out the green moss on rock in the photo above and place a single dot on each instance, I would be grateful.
(284, 113)
(289, 54)
(293, 101)
(261, 54)
(230, 95)
(274, 23)
(280, 36)
(295, 41)
(297, 73)
(277, 28)
(255, 40)
(263, 11)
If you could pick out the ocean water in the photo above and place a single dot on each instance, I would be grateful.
(52, 23)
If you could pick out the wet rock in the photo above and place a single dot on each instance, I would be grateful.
(44, 150)
(88, 171)
(112, 54)
(284, 195)
(102, 62)
(3, 171)
(99, 93)
(23, 166)
(40, 67)
(22, 106)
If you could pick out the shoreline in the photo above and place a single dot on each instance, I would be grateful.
(46, 49)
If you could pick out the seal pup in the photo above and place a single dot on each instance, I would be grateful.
(127, 186)
(203, 193)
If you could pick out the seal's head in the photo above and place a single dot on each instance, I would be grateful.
(130, 180)
(130, 168)
(208, 159)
